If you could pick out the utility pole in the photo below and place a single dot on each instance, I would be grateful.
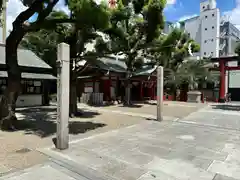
(4, 17)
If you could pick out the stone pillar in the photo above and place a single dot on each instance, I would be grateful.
(160, 93)
(63, 79)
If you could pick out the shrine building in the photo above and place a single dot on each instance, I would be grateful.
(36, 75)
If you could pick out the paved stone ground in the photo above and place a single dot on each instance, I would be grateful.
(201, 146)
(171, 109)
(38, 127)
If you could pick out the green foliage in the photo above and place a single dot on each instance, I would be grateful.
(44, 44)
(191, 72)
(237, 50)
(86, 18)
(29, 2)
(171, 50)
(88, 14)
(134, 25)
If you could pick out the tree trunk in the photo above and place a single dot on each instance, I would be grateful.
(128, 90)
(14, 77)
(13, 70)
(73, 110)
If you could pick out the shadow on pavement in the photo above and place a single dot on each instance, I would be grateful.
(227, 107)
(134, 105)
(42, 122)
(150, 103)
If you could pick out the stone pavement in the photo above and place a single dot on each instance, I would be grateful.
(202, 146)
(18, 149)
(171, 110)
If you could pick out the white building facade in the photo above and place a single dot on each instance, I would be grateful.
(205, 29)
(216, 36)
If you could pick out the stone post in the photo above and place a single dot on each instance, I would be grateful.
(159, 93)
(63, 63)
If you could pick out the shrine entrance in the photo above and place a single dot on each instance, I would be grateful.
(227, 64)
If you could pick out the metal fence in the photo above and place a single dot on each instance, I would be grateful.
(92, 98)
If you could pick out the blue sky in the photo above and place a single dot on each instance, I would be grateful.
(184, 8)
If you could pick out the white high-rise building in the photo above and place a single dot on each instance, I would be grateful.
(205, 28)
(217, 37)
(215, 34)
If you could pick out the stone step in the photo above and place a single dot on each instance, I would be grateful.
(47, 171)
(229, 169)
(179, 169)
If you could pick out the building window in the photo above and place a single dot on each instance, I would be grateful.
(205, 53)
(212, 27)
(212, 40)
(205, 41)
(203, 7)
(205, 17)
(31, 87)
(188, 34)
(213, 15)
(205, 29)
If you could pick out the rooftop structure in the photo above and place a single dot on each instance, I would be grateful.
(215, 34)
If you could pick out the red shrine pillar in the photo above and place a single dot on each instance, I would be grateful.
(109, 87)
(149, 91)
(94, 80)
(153, 91)
(222, 81)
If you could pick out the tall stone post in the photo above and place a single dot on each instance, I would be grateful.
(63, 63)
(160, 93)
(4, 21)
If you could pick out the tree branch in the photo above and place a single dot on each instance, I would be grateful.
(25, 15)
(42, 15)
(46, 24)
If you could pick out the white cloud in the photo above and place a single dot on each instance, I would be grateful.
(61, 6)
(183, 18)
(233, 15)
(171, 2)
(14, 7)
(170, 5)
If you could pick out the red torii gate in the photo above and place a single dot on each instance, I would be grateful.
(223, 67)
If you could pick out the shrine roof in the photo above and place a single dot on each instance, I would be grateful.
(109, 64)
(25, 75)
(26, 58)
(145, 71)
(119, 66)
